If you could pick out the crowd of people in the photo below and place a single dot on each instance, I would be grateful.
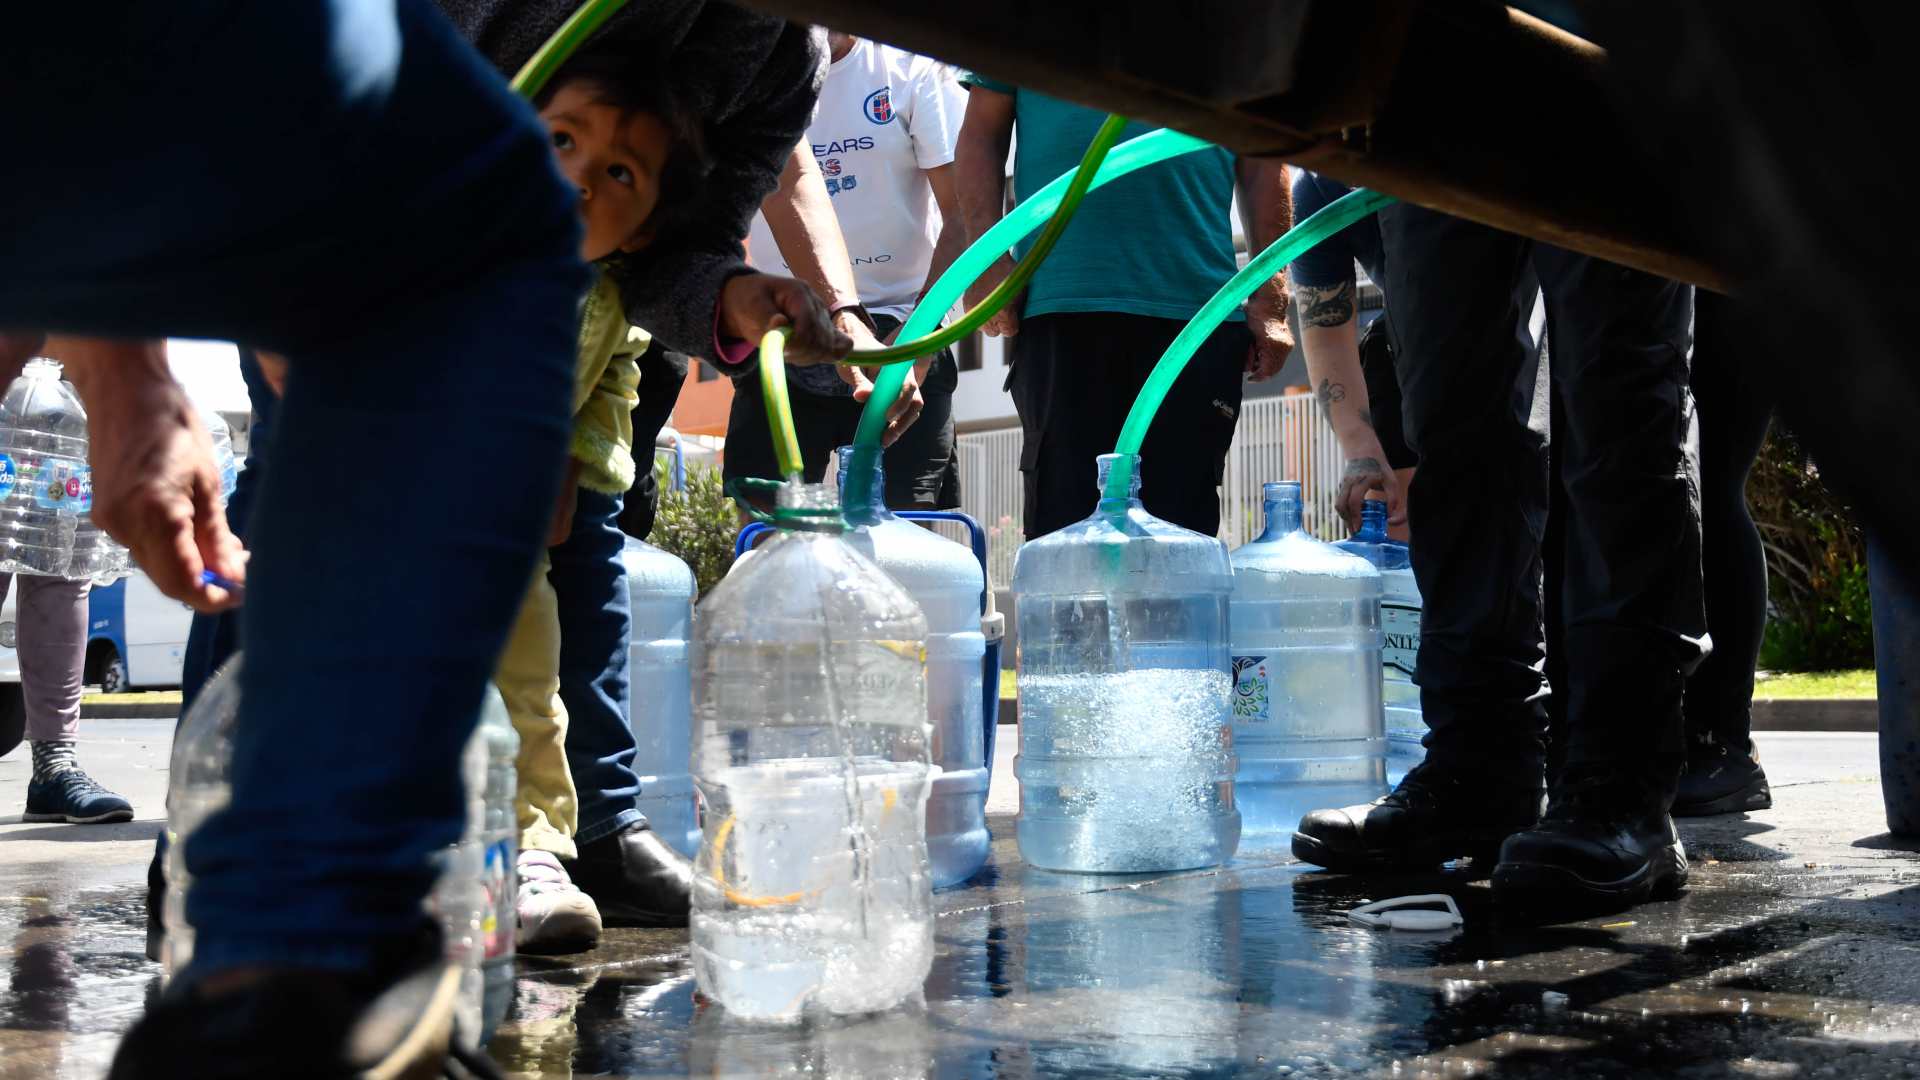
(461, 312)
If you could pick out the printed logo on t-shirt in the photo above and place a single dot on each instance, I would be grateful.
(830, 166)
(879, 106)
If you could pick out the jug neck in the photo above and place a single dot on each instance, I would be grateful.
(807, 508)
(1282, 502)
(874, 511)
(41, 367)
(1373, 522)
(1130, 463)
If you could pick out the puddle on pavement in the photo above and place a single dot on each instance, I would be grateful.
(1255, 970)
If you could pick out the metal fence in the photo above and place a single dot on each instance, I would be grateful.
(1278, 438)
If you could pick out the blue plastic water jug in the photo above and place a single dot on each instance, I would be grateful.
(946, 581)
(1126, 755)
(1306, 658)
(1400, 636)
(660, 706)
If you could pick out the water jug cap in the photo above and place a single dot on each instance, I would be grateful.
(42, 366)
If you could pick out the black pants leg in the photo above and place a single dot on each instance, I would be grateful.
(1734, 404)
(1478, 504)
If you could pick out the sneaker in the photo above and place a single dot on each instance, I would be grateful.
(554, 916)
(1433, 817)
(1605, 842)
(1722, 780)
(75, 798)
(366, 1025)
(636, 878)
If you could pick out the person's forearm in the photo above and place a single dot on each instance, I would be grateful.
(952, 239)
(93, 365)
(980, 180)
(1266, 206)
(1339, 382)
(800, 215)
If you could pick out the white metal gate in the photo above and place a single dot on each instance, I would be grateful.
(991, 493)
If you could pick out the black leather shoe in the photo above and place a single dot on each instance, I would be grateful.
(393, 1023)
(635, 878)
(1722, 780)
(1606, 842)
(1431, 818)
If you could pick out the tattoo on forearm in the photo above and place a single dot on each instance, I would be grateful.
(1330, 392)
(1362, 470)
(1325, 307)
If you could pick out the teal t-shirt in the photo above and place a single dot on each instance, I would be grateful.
(1157, 242)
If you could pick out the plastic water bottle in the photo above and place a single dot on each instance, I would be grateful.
(1400, 636)
(97, 557)
(43, 459)
(811, 891)
(1126, 754)
(473, 900)
(223, 458)
(660, 708)
(946, 581)
(1306, 662)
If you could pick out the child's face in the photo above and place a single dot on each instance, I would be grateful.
(614, 160)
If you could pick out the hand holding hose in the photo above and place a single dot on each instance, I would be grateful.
(1272, 337)
(752, 304)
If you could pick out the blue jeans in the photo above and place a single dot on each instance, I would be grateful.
(596, 621)
(347, 183)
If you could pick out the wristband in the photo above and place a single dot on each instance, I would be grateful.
(860, 312)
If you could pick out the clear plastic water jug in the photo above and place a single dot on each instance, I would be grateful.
(473, 900)
(1400, 637)
(1306, 662)
(811, 890)
(947, 582)
(224, 460)
(1126, 754)
(43, 465)
(660, 705)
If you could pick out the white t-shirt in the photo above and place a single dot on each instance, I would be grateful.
(885, 114)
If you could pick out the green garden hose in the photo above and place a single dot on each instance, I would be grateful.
(572, 34)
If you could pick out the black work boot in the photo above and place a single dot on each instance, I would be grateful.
(1722, 778)
(392, 1022)
(1431, 818)
(635, 878)
(1605, 842)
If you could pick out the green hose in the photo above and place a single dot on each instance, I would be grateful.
(576, 30)
(1136, 153)
(773, 394)
(1330, 219)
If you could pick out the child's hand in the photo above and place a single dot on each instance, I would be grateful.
(752, 304)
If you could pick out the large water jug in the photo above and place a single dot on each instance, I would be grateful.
(43, 462)
(1400, 636)
(473, 900)
(811, 890)
(660, 705)
(1126, 754)
(1306, 663)
(947, 582)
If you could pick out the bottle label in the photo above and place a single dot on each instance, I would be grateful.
(497, 881)
(1400, 633)
(56, 485)
(1251, 702)
(9, 473)
(83, 499)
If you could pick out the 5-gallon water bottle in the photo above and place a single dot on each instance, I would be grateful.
(473, 900)
(947, 582)
(811, 890)
(1126, 755)
(43, 458)
(1306, 663)
(660, 706)
(1400, 636)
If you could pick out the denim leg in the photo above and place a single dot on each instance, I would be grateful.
(596, 622)
(368, 199)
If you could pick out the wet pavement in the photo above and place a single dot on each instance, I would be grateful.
(1795, 953)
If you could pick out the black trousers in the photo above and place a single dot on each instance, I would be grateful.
(1628, 541)
(1074, 377)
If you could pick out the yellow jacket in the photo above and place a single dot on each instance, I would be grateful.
(606, 387)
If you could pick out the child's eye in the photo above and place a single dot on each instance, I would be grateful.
(562, 141)
(621, 174)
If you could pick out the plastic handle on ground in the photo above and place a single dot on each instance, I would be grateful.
(1330, 219)
(1134, 154)
(1394, 914)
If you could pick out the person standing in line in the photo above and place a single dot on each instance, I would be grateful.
(1142, 256)
(883, 144)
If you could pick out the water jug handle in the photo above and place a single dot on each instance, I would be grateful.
(749, 535)
(738, 490)
(977, 536)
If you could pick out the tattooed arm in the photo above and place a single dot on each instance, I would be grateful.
(1330, 335)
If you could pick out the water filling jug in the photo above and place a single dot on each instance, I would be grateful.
(660, 704)
(811, 888)
(1126, 753)
(1306, 659)
(1400, 636)
(947, 582)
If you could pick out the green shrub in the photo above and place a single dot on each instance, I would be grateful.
(698, 524)
(1819, 615)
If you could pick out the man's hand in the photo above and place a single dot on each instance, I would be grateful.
(1272, 338)
(752, 304)
(155, 488)
(1367, 472)
(1006, 321)
(905, 408)
(16, 348)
